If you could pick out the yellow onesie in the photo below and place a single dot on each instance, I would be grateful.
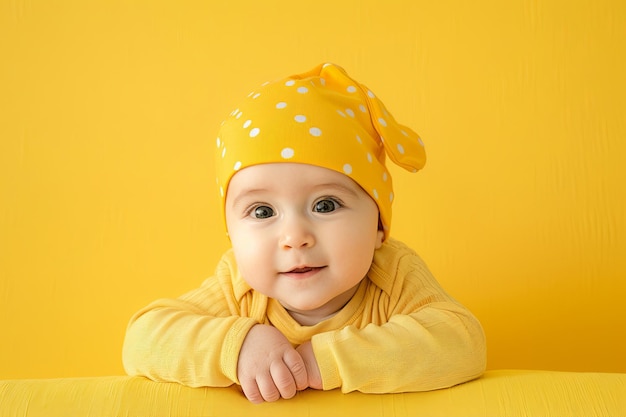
(400, 332)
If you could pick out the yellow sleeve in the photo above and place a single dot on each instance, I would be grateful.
(429, 341)
(194, 340)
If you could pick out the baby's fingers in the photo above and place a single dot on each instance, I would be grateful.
(297, 368)
(283, 380)
(251, 391)
(267, 387)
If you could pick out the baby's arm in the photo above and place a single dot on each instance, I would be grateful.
(173, 340)
(428, 341)
(194, 339)
(439, 346)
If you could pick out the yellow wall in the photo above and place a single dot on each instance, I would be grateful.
(108, 113)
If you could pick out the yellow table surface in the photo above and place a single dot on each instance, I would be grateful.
(497, 393)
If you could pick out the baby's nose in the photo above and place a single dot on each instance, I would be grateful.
(297, 234)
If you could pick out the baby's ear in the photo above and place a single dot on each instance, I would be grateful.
(380, 236)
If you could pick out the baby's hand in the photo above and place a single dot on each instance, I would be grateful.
(313, 371)
(269, 367)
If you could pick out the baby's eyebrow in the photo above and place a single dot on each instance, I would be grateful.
(246, 193)
(337, 187)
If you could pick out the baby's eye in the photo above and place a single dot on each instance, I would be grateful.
(326, 206)
(262, 212)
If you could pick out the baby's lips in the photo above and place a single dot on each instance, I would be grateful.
(303, 269)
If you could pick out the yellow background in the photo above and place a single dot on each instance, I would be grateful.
(108, 116)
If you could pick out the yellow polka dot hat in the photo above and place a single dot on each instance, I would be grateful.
(324, 118)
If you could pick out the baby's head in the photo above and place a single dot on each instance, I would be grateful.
(323, 118)
(305, 191)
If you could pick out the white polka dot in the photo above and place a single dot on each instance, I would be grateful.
(400, 148)
(347, 168)
(303, 90)
(315, 131)
(237, 165)
(238, 115)
(287, 153)
(369, 157)
(358, 139)
(222, 191)
(265, 83)
(323, 81)
(256, 95)
(218, 142)
(362, 108)
(328, 64)
(247, 124)
(351, 89)
(390, 197)
(420, 141)
(382, 139)
(281, 105)
(404, 133)
(382, 122)
(251, 92)
(349, 112)
(385, 176)
(370, 94)
(375, 193)
(254, 132)
(300, 118)
(234, 112)
(223, 152)
(342, 114)
(290, 83)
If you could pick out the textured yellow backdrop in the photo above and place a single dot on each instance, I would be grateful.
(109, 110)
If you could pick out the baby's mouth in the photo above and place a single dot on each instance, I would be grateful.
(302, 270)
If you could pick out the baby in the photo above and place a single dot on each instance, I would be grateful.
(314, 293)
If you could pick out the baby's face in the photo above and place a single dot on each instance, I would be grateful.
(302, 234)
